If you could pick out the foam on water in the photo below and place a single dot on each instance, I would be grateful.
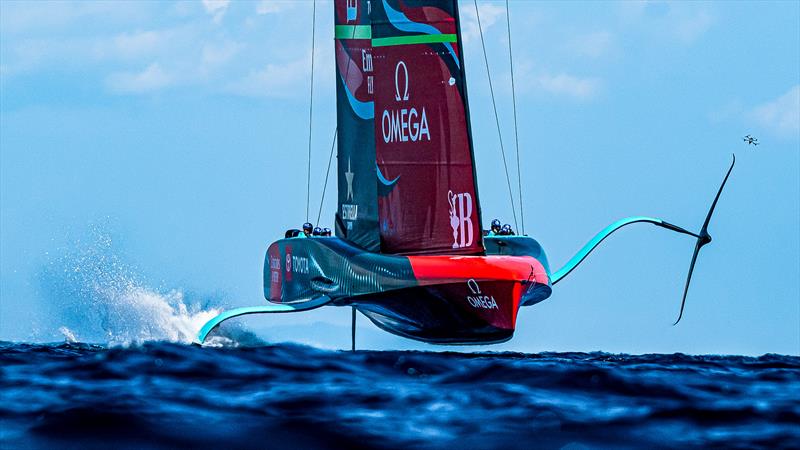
(95, 296)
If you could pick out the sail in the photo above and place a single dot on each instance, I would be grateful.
(427, 191)
(357, 212)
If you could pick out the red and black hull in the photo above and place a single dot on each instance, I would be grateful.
(437, 299)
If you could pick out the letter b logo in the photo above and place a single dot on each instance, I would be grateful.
(461, 219)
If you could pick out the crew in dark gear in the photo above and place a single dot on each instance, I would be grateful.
(326, 232)
(506, 230)
(317, 231)
(308, 229)
(495, 229)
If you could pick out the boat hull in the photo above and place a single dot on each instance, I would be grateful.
(437, 299)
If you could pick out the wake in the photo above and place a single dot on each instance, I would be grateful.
(95, 296)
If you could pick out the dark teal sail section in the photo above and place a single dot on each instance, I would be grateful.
(357, 212)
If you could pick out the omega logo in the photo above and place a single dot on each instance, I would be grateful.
(478, 299)
(408, 123)
(397, 81)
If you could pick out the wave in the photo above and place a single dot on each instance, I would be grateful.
(161, 395)
(94, 295)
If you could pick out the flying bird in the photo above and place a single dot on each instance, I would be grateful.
(750, 140)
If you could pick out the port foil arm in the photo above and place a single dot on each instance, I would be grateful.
(272, 308)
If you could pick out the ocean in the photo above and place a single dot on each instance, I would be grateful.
(170, 395)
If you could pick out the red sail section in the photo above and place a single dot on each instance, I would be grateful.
(427, 194)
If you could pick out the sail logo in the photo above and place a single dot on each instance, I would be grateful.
(352, 10)
(407, 123)
(349, 212)
(397, 96)
(479, 299)
(461, 219)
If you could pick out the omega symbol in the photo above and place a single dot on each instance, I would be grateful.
(397, 82)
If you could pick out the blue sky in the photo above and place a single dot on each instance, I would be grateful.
(165, 141)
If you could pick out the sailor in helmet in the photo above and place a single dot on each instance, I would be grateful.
(317, 231)
(495, 228)
(326, 232)
(507, 230)
(308, 229)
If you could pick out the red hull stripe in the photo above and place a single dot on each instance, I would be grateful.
(448, 269)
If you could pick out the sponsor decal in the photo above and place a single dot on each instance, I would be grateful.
(397, 68)
(295, 264)
(300, 265)
(366, 66)
(461, 218)
(408, 123)
(479, 299)
(275, 269)
(288, 265)
(348, 176)
(352, 10)
(349, 211)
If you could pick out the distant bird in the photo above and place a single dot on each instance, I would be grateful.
(750, 140)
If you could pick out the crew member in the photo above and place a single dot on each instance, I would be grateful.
(317, 231)
(495, 229)
(308, 229)
(506, 230)
(326, 232)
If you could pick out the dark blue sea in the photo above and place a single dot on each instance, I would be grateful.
(162, 395)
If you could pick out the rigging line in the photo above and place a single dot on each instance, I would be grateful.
(311, 107)
(496, 117)
(327, 174)
(333, 145)
(514, 108)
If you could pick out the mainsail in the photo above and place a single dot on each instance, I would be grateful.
(357, 213)
(411, 72)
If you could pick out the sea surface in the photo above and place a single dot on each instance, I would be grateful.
(168, 395)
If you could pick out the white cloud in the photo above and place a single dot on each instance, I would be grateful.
(216, 8)
(29, 55)
(489, 12)
(215, 54)
(530, 80)
(689, 27)
(684, 22)
(273, 6)
(150, 79)
(137, 44)
(69, 53)
(781, 115)
(569, 85)
(592, 45)
(275, 80)
(48, 17)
